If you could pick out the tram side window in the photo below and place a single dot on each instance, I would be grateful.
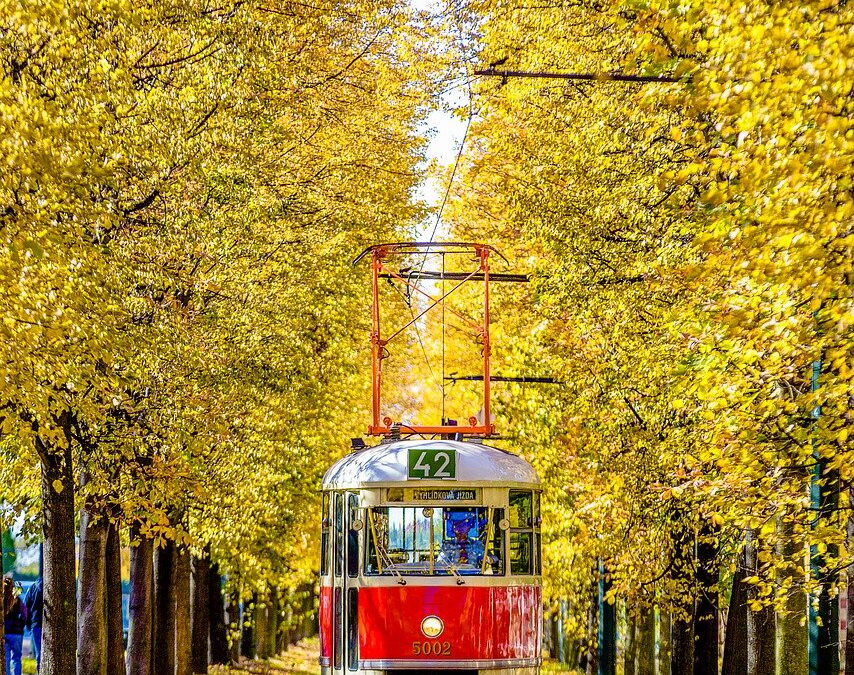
(522, 543)
(352, 537)
(538, 551)
(339, 535)
(324, 536)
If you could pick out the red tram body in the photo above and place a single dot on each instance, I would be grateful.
(431, 561)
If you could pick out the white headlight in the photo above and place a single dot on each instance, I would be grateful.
(432, 626)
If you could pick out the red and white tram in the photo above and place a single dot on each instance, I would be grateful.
(431, 561)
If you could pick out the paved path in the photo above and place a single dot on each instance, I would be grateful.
(301, 659)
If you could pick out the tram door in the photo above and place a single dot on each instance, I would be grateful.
(345, 642)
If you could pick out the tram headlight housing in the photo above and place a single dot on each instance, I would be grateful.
(432, 626)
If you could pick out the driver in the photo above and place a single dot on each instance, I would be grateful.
(461, 551)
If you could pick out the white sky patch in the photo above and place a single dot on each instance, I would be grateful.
(447, 133)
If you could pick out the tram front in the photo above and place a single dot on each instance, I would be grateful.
(431, 561)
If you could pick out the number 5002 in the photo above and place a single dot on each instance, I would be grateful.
(431, 648)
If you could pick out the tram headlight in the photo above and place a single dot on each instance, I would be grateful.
(432, 626)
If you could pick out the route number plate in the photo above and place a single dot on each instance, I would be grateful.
(426, 463)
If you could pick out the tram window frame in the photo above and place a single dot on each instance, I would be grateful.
(352, 537)
(538, 519)
(523, 533)
(352, 629)
(339, 628)
(325, 525)
(338, 517)
(494, 543)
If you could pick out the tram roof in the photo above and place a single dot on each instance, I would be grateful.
(388, 464)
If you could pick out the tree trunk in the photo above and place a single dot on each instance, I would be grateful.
(663, 641)
(115, 626)
(308, 609)
(760, 631)
(92, 609)
(5, 602)
(250, 617)
(140, 606)
(791, 631)
(59, 620)
(164, 611)
(218, 631)
(592, 652)
(183, 631)
(760, 623)
(273, 622)
(706, 614)
(682, 648)
(262, 628)
(200, 612)
(631, 651)
(849, 636)
(735, 640)
(234, 626)
(827, 616)
(682, 636)
(646, 642)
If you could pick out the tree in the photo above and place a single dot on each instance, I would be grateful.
(675, 229)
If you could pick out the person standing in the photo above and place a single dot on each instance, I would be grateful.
(34, 601)
(14, 623)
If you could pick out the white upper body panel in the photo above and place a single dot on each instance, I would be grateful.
(388, 464)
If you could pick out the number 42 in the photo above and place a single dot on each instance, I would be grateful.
(441, 472)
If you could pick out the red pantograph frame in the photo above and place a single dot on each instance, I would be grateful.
(379, 253)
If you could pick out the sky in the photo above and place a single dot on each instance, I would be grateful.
(446, 132)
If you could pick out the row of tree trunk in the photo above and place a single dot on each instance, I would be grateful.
(178, 621)
(758, 641)
(177, 613)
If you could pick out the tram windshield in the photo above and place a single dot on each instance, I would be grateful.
(434, 540)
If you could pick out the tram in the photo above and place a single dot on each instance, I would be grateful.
(431, 561)
(431, 546)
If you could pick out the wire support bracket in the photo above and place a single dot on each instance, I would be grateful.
(379, 254)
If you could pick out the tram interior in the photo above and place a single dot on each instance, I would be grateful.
(445, 540)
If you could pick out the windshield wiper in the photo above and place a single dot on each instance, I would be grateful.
(382, 553)
(460, 580)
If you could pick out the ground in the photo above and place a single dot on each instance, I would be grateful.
(302, 658)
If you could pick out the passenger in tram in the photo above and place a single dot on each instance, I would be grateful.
(463, 551)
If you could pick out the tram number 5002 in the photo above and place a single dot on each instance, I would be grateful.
(431, 648)
(425, 463)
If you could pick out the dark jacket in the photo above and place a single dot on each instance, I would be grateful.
(34, 602)
(16, 618)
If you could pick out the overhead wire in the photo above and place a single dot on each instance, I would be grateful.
(407, 299)
(438, 220)
(443, 340)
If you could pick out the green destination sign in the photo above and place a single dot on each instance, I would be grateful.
(429, 463)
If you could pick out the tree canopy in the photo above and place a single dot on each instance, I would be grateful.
(184, 344)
